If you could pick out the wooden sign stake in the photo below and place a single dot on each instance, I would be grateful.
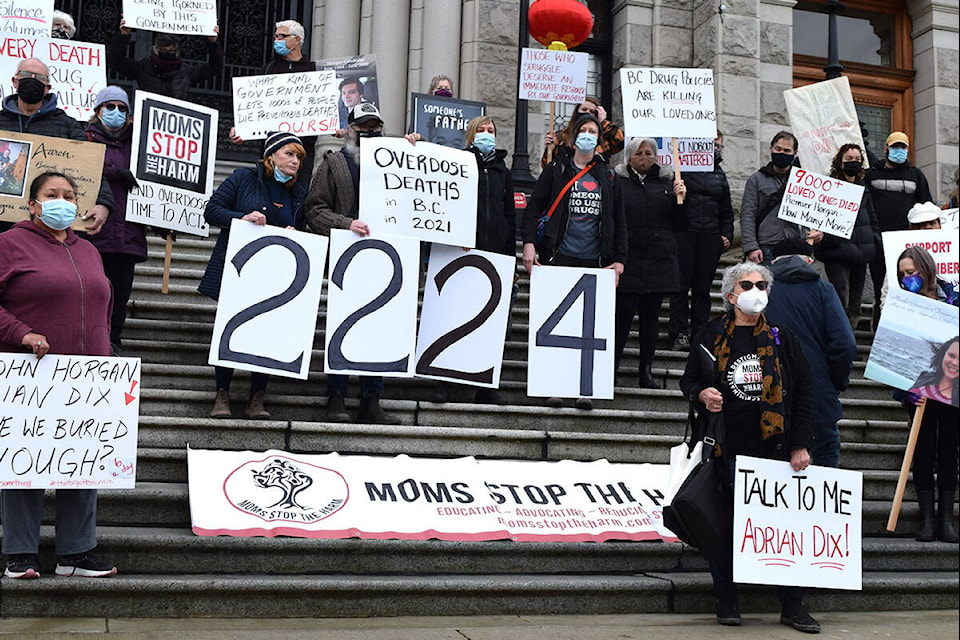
(166, 263)
(905, 467)
(676, 166)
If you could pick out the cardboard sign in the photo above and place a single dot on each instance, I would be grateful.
(23, 157)
(421, 191)
(571, 340)
(442, 120)
(304, 104)
(696, 154)
(68, 422)
(797, 528)
(553, 76)
(823, 118)
(942, 244)
(272, 278)
(819, 202)
(29, 18)
(78, 70)
(674, 103)
(174, 152)
(187, 17)
(358, 75)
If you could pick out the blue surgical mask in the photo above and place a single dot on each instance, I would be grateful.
(113, 118)
(485, 142)
(912, 283)
(280, 47)
(586, 143)
(897, 155)
(280, 176)
(58, 214)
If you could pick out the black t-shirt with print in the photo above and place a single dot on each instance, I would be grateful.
(742, 388)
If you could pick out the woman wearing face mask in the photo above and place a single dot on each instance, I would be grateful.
(441, 86)
(265, 194)
(121, 244)
(54, 298)
(609, 142)
(938, 444)
(63, 26)
(755, 376)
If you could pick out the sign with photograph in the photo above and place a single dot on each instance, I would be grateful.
(356, 82)
(553, 76)
(442, 120)
(26, 18)
(304, 104)
(823, 118)
(186, 17)
(673, 103)
(819, 202)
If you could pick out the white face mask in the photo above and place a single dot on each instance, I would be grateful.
(752, 302)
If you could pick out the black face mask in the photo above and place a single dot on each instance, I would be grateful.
(61, 33)
(31, 90)
(852, 168)
(167, 55)
(782, 160)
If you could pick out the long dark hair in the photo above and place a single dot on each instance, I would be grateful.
(836, 167)
(934, 373)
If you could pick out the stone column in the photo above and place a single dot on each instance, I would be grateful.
(341, 30)
(440, 45)
(389, 29)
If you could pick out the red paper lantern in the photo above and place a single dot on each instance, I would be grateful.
(559, 24)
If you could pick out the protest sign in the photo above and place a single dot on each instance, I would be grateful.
(422, 191)
(819, 202)
(28, 18)
(949, 219)
(272, 279)
(442, 120)
(375, 336)
(187, 17)
(571, 336)
(68, 422)
(553, 76)
(23, 157)
(247, 493)
(78, 70)
(173, 155)
(823, 118)
(304, 104)
(797, 528)
(674, 103)
(356, 82)
(696, 154)
(463, 324)
(942, 244)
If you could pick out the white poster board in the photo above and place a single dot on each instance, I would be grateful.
(173, 155)
(186, 17)
(68, 422)
(799, 529)
(674, 103)
(26, 18)
(271, 287)
(949, 218)
(823, 118)
(570, 346)
(942, 244)
(463, 324)
(304, 104)
(695, 154)
(820, 202)
(553, 76)
(424, 191)
(372, 304)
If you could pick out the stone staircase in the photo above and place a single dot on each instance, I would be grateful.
(166, 571)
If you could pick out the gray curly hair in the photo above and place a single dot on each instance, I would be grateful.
(735, 272)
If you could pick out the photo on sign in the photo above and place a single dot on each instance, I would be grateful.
(14, 155)
(356, 82)
(174, 142)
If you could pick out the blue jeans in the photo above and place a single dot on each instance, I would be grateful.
(76, 520)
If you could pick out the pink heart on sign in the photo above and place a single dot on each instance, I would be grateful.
(589, 185)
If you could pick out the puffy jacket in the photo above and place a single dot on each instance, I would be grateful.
(708, 207)
(861, 247)
(894, 191)
(496, 216)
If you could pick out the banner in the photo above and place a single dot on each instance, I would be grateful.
(68, 422)
(247, 493)
(186, 17)
(819, 202)
(421, 191)
(304, 104)
(173, 155)
(442, 120)
(823, 118)
(28, 18)
(674, 103)
(942, 244)
(553, 76)
(696, 154)
(799, 529)
(356, 82)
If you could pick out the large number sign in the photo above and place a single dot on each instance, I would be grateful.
(174, 151)
(28, 18)
(443, 120)
(188, 17)
(940, 243)
(823, 118)
(571, 340)
(304, 104)
(68, 422)
(371, 304)
(819, 202)
(267, 312)
(466, 304)
(423, 191)
(678, 103)
(553, 76)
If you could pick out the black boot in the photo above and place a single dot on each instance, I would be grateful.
(926, 532)
(945, 530)
(646, 378)
(336, 409)
(371, 413)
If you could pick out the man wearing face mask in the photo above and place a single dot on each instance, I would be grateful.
(33, 109)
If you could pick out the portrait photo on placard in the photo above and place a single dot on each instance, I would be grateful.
(14, 155)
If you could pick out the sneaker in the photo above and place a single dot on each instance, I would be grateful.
(681, 343)
(795, 615)
(728, 613)
(23, 566)
(84, 565)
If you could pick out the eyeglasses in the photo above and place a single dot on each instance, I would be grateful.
(42, 77)
(281, 36)
(111, 106)
(746, 285)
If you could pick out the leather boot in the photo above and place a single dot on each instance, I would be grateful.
(255, 410)
(945, 530)
(221, 406)
(337, 408)
(926, 532)
(371, 413)
(646, 378)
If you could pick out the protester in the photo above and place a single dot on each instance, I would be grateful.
(586, 226)
(268, 193)
(333, 203)
(709, 232)
(609, 142)
(441, 86)
(62, 26)
(770, 419)
(54, 298)
(652, 268)
(923, 215)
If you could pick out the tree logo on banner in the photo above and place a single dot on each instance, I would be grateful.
(286, 490)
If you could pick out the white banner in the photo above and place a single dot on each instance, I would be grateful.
(424, 191)
(819, 202)
(463, 324)
(187, 17)
(674, 103)
(304, 104)
(372, 304)
(695, 154)
(570, 345)
(553, 76)
(29, 18)
(940, 243)
(823, 118)
(68, 422)
(271, 287)
(797, 528)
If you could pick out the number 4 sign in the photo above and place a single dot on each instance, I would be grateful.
(570, 346)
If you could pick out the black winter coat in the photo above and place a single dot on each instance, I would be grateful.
(861, 247)
(708, 206)
(175, 83)
(496, 217)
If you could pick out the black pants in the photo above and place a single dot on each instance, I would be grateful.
(878, 271)
(647, 307)
(118, 268)
(849, 280)
(938, 445)
(699, 254)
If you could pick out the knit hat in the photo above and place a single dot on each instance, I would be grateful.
(278, 140)
(923, 212)
(898, 137)
(112, 94)
(584, 118)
